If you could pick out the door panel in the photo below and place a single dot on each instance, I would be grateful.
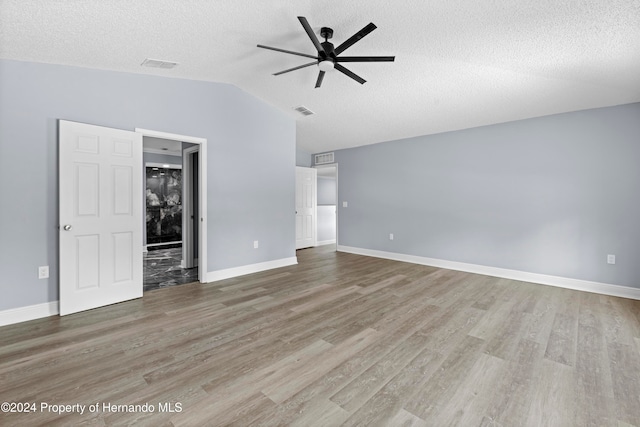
(87, 189)
(122, 266)
(306, 188)
(121, 190)
(100, 178)
(88, 268)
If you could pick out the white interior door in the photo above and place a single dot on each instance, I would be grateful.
(306, 202)
(100, 179)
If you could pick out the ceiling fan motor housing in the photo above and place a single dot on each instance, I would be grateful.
(327, 53)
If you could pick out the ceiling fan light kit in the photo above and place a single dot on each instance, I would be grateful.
(327, 58)
(326, 65)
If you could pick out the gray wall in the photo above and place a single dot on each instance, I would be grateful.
(551, 195)
(249, 197)
(326, 190)
(303, 158)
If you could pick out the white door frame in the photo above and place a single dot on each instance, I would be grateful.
(202, 192)
(333, 165)
(188, 259)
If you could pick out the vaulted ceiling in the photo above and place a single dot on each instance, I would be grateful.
(459, 64)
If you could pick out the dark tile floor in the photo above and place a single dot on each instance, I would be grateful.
(162, 269)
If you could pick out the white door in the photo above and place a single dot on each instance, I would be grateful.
(100, 198)
(306, 187)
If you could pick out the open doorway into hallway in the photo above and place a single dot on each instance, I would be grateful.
(172, 229)
(327, 201)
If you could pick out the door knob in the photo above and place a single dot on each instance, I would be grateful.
(67, 227)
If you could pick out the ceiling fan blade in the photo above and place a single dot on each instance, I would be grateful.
(287, 51)
(296, 68)
(354, 38)
(365, 59)
(310, 33)
(320, 78)
(349, 73)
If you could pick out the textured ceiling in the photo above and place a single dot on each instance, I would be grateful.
(459, 64)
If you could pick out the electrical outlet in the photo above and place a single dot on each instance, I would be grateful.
(390, 236)
(255, 244)
(43, 272)
(611, 259)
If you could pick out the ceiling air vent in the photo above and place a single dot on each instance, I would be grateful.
(157, 63)
(304, 110)
(322, 159)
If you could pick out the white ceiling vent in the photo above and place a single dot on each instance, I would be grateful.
(157, 63)
(304, 110)
(323, 159)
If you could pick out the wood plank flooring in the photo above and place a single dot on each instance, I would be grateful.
(339, 339)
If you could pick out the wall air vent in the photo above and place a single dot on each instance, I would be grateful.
(324, 158)
(304, 110)
(157, 63)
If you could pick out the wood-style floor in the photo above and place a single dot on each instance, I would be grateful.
(339, 339)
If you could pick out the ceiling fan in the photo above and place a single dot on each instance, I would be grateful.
(327, 58)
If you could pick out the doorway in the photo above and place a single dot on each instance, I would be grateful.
(166, 209)
(181, 258)
(327, 204)
(101, 213)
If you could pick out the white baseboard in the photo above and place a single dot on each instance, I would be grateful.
(326, 242)
(31, 312)
(214, 276)
(543, 279)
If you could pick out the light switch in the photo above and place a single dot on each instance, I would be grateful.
(345, 205)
